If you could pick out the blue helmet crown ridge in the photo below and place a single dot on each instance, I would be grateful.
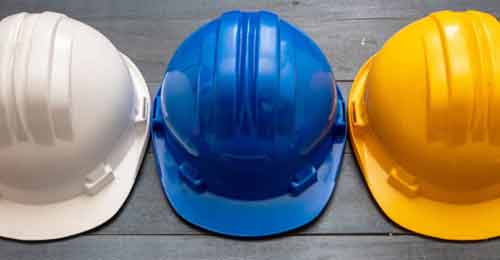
(248, 111)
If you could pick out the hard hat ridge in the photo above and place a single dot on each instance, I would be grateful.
(435, 156)
(467, 47)
(248, 113)
(26, 80)
(74, 123)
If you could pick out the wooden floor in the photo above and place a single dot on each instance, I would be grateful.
(352, 227)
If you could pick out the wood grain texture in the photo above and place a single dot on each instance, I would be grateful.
(347, 44)
(150, 32)
(204, 9)
(189, 247)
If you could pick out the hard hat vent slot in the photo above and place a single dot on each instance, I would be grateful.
(191, 177)
(404, 182)
(302, 180)
(142, 111)
(99, 179)
(157, 123)
(339, 127)
(356, 115)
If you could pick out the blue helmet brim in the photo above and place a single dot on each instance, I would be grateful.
(249, 218)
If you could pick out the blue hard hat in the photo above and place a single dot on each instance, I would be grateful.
(248, 127)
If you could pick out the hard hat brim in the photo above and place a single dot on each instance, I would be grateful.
(420, 214)
(245, 218)
(31, 222)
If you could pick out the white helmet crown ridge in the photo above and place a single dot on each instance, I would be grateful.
(31, 111)
(73, 124)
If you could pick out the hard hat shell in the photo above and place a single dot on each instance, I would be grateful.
(424, 129)
(248, 127)
(73, 123)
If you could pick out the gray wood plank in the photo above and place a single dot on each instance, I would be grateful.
(195, 9)
(351, 210)
(284, 248)
(150, 43)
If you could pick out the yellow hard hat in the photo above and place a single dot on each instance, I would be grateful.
(424, 120)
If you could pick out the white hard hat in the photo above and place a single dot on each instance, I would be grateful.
(73, 127)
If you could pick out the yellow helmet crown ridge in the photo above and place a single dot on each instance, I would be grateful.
(424, 127)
